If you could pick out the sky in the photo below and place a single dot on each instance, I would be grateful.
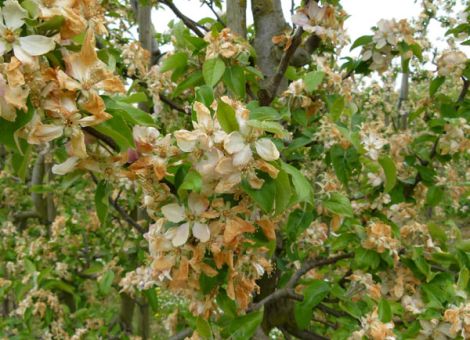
(364, 14)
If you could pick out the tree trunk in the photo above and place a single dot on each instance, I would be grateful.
(127, 312)
(236, 16)
(269, 21)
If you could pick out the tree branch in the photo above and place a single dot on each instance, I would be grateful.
(288, 291)
(210, 4)
(271, 90)
(314, 263)
(236, 16)
(182, 334)
(121, 210)
(173, 104)
(191, 24)
(278, 294)
(98, 135)
(463, 93)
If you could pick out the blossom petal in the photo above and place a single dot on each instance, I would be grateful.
(186, 140)
(201, 231)
(22, 55)
(174, 212)
(300, 19)
(266, 149)
(4, 47)
(13, 14)
(181, 235)
(203, 114)
(243, 157)
(65, 167)
(197, 203)
(37, 44)
(77, 141)
(234, 142)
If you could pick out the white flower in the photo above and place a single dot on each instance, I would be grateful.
(12, 18)
(373, 143)
(374, 179)
(237, 145)
(176, 213)
(64, 168)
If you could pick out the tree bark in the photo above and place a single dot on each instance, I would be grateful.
(236, 16)
(269, 21)
(127, 312)
(37, 178)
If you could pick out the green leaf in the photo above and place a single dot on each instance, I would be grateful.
(20, 162)
(203, 328)
(265, 196)
(313, 80)
(104, 285)
(366, 258)
(227, 305)
(51, 26)
(283, 192)
(137, 97)
(385, 311)
(314, 293)
(119, 131)
(390, 172)
(435, 84)
(302, 186)
(434, 195)
(8, 129)
(193, 80)
(273, 127)
(205, 95)
(234, 78)
(262, 113)
(178, 60)
(213, 70)
(335, 105)
(339, 205)
(298, 221)
(151, 295)
(59, 284)
(102, 200)
(226, 117)
(364, 40)
(244, 327)
(128, 112)
(192, 182)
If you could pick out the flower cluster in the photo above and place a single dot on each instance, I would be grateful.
(451, 63)
(385, 43)
(325, 21)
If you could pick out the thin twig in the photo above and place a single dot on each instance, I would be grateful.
(211, 7)
(172, 104)
(121, 210)
(108, 140)
(191, 24)
(182, 335)
(314, 263)
(329, 310)
(288, 291)
(280, 293)
(463, 93)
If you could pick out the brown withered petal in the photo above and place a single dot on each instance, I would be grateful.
(269, 229)
(236, 226)
(163, 263)
(270, 169)
(14, 75)
(208, 270)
